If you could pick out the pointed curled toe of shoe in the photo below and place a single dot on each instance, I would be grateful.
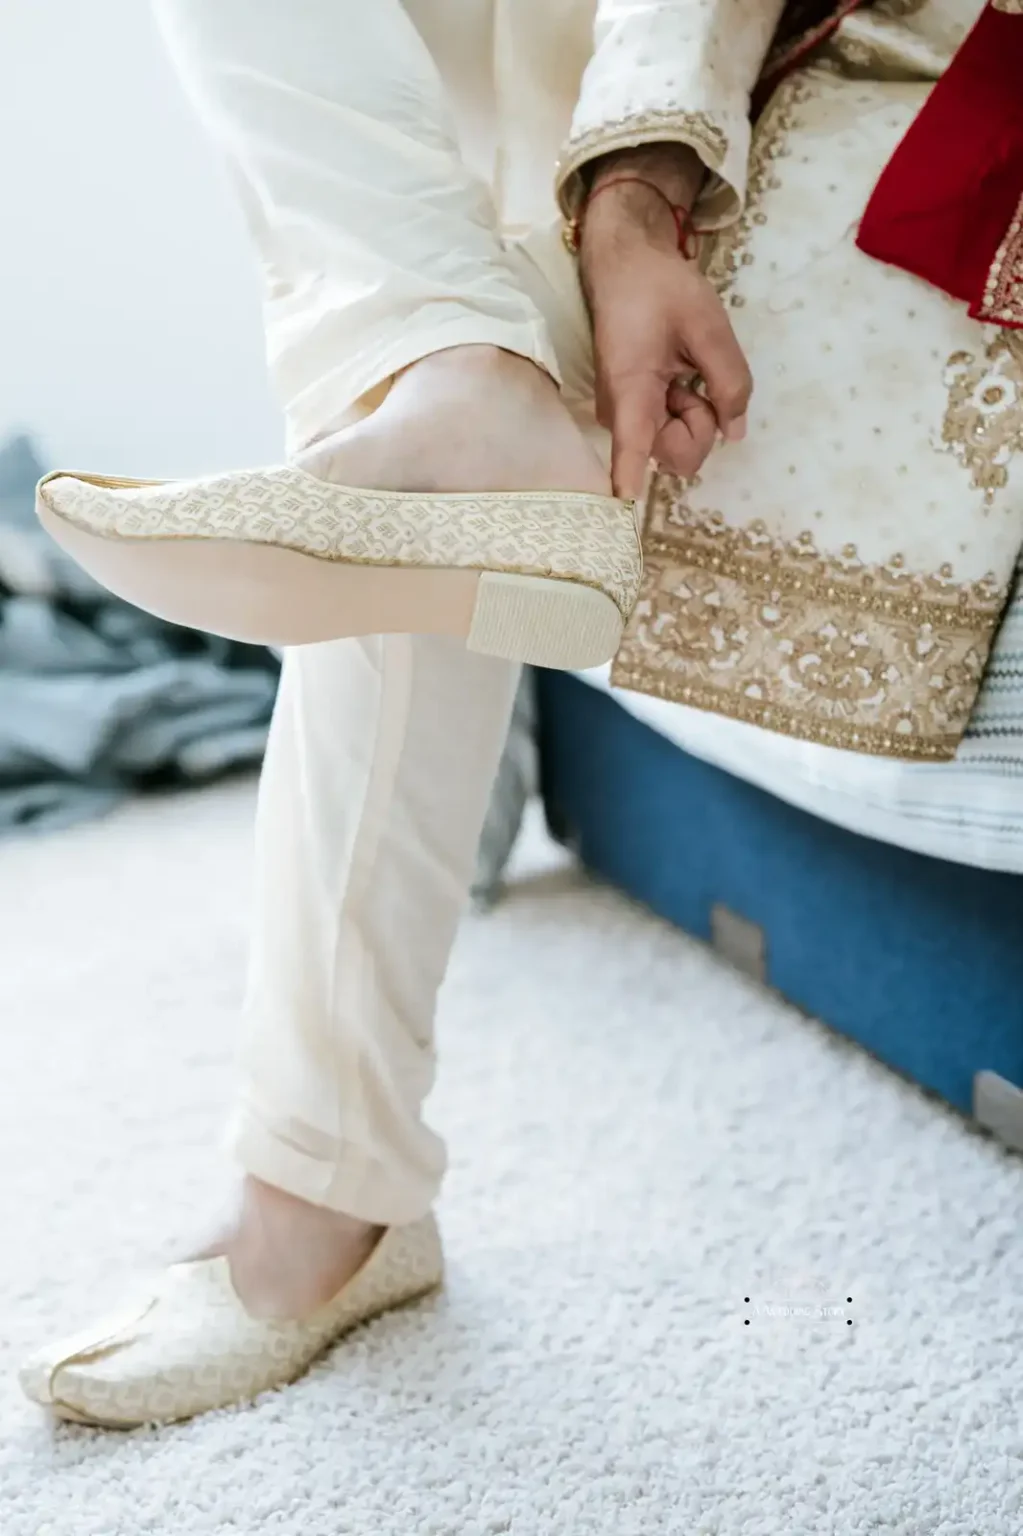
(192, 1347)
(279, 557)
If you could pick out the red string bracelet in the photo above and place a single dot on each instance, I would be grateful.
(685, 233)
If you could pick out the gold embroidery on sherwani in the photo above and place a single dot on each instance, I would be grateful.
(869, 46)
(827, 648)
(983, 424)
(700, 130)
(1010, 7)
(1003, 291)
(726, 251)
(845, 650)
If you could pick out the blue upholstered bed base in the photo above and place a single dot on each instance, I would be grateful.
(918, 960)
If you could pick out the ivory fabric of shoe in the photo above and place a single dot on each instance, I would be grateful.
(193, 1347)
(280, 557)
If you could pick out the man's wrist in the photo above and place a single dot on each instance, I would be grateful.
(638, 189)
(675, 170)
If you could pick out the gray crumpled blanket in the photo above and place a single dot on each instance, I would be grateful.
(97, 699)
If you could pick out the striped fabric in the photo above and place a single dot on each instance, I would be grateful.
(994, 740)
(969, 810)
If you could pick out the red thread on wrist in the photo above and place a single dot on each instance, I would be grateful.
(685, 233)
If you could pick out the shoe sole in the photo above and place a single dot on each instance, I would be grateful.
(270, 595)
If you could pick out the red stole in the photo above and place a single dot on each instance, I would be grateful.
(949, 205)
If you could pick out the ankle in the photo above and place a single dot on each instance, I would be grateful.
(288, 1256)
(270, 1208)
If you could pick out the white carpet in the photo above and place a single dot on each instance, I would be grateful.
(639, 1141)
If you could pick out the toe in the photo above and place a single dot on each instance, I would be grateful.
(65, 1372)
(36, 1378)
(54, 493)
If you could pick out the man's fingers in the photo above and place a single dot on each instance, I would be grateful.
(629, 468)
(726, 375)
(681, 394)
(638, 411)
(685, 441)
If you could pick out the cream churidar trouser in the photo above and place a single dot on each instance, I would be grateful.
(379, 247)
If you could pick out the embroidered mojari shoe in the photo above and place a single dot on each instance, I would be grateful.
(280, 557)
(192, 1346)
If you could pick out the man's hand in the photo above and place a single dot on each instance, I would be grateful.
(657, 324)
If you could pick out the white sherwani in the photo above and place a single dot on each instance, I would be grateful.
(398, 166)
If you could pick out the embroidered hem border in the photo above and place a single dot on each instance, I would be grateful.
(870, 741)
(871, 659)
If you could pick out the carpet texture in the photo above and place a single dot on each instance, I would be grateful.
(640, 1140)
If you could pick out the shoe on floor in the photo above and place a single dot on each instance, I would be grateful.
(280, 557)
(192, 1346)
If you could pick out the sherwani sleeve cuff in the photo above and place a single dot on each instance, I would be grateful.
(672, 71)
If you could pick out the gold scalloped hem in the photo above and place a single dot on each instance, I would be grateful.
(872, 741)
(868, 658)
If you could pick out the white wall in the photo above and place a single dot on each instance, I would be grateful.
(130, 336)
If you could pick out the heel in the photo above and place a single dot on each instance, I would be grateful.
(560, 624)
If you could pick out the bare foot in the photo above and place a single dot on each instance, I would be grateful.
(288, 1257)
(466, 419)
